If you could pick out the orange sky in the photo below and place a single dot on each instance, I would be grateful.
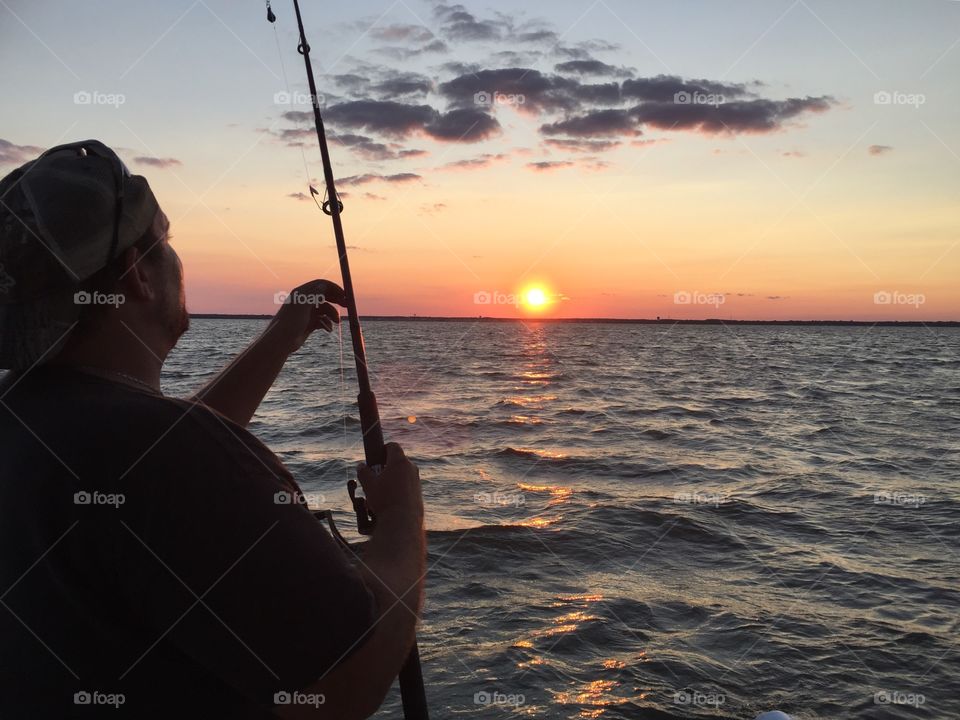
(846, 210)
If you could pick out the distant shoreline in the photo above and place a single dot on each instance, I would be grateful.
(617, 321)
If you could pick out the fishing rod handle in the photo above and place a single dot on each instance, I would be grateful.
(375, 454)
(412, 692)
(374, 450)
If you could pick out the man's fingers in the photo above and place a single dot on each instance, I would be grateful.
(330, 313)
(330, 291)
(395, 453)
(324, 316)
(365, 475)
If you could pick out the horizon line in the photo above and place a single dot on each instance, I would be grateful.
(636, 321)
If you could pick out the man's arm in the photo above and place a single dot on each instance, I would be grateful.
(395, 566)
(238, 389)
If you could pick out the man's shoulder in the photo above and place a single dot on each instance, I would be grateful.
(95, 415)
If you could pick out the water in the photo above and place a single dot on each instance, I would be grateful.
(644, 521)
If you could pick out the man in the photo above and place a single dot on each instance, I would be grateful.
(151, 562)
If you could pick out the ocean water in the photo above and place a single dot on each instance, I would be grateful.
(653, 521)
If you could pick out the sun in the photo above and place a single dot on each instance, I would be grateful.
(535, 298)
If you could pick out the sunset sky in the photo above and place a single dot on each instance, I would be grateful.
(750, 160)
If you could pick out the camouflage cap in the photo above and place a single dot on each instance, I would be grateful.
(63, 217)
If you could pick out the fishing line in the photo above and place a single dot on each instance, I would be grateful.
(313, 194)
(343, 397)
(412, 695)
(286, 85)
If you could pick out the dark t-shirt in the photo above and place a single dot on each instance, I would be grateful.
(144, 551)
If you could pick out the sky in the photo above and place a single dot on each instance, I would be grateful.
(756, 159)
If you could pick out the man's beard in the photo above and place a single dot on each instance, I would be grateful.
(173, 306)
(178, 320)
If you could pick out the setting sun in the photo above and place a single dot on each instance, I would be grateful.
(535, 298)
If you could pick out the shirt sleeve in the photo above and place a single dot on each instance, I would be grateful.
(221, 565)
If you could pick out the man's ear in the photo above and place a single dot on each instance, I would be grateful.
(137, 276)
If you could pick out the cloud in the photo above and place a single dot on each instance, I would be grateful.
(397, 119)
(293, 136)
(431, 209)
(351, 180)
(595, 94)
(585, 105)
(777, 297)
(455, 67)
(548, 165)
(482, 161)
(514, 58)
(746, 116)
(463, 125)
(879, 149)
(666, 102)
(540, 92)
(457, 23)
(384, 116)
(351, 82)
(591, 67)
(13, 154)
(794, 154)
(399, 32)
(548, 37)
(593, 164)
(369, 149)
(299, 196)
(665, 88)
(601, 122)
(402, 84)
(399, 52)
(582, 50)
(582, 145)
(157, 162)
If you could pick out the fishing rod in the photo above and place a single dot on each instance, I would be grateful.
(412, 692)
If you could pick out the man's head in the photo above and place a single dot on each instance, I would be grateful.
(84, 257)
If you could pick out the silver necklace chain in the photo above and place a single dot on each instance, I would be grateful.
(123, 375)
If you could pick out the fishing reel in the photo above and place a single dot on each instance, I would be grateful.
(365, 519)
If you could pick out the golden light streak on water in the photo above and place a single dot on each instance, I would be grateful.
(539, 522)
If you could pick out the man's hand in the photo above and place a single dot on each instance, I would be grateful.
(396, 488)
(237, 390)
(307, 308)
(394, 567)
